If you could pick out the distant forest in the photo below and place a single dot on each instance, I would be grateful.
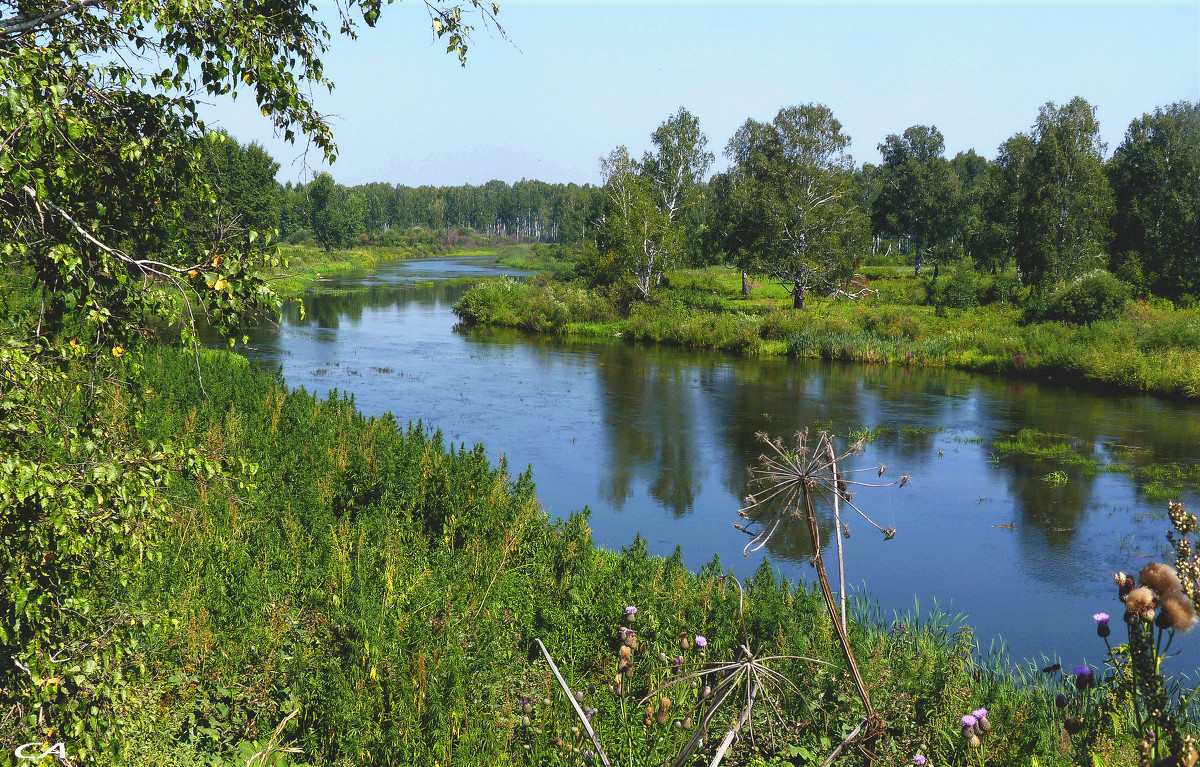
(1052, 204)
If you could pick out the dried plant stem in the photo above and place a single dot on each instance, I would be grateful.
(837, 533)
(829, 759)
(831, 606)
(587, 726)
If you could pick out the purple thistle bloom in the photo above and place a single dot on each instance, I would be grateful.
(631, 611)
(1101, 618)
(1083, 677)
(700, 641)
(1102, 628)
(918, 760)
(969, 721)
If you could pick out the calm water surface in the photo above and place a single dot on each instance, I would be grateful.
(656, 441)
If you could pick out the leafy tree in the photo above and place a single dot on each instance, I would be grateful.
(636, 230)
(243, 178)
(1155, 176)
(104, 158)
(676, 169)
(789, 201)
(918, 198)
(993, 244)
(336, 214)
(1062, 224)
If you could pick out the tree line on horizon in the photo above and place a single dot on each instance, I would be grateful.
(793, 206)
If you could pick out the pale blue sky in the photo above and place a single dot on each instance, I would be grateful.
(575, 80)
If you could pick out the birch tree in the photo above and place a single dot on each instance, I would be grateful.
(791, 183)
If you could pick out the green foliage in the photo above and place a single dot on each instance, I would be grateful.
(1155, 176)
(1066, 203)
(1088, 298)
(786, 207)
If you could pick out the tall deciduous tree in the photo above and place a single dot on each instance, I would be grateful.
(677, 167)
(1155, 175)
(636, 230)
(789, 201)
(1001, 191)
(1062, 225)
(919, 191)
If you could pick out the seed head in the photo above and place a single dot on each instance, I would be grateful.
(1180, 612)
(1139, 602)
(1162, 578)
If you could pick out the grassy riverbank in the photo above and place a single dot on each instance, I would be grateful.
(308, 264)
(1149, 347)
(390, 587)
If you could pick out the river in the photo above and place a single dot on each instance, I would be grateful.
(656, 441)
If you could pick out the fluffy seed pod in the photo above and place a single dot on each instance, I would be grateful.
(1140, 601)
(1179, 611)
(1162, 578)
(626, 652)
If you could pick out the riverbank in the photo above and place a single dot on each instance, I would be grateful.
(1149, 347)
(390, 590)
(308, 265)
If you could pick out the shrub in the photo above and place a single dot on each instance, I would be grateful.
(960, 291)
(1001, 289)
(1096, 295)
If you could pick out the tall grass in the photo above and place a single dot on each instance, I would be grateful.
(389, 587)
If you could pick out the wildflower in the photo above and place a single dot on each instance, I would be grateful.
(1139, 603)
(1124, 584)
(1162, 578)
(117, 351)
(981, 714)
(918, 760)
(968, 723)
(1179, 611)
(701, 642)
(974, 741)
(664, 708)
(630, 639)
(630, 612)
(1102, 624)
(1083, 678)
(683, 640)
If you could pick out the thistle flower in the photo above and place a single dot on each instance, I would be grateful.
(664, 708)
(1083, 678)
(701, 642)
(630, 612)
(630, 639)
(1179, 611)
(968, 723)
(973, 741)
(981, 714)
(1102, 628)
(1161, 578)
(1124, 584)
(625, 652)
(1060, 700)
(1139, 603)
(683, 640)
(918, 760)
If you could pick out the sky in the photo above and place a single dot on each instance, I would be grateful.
(570, 81)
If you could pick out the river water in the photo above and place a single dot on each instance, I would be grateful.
(656, 441)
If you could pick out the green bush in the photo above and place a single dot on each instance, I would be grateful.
(959, 291)
(1096, 295)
